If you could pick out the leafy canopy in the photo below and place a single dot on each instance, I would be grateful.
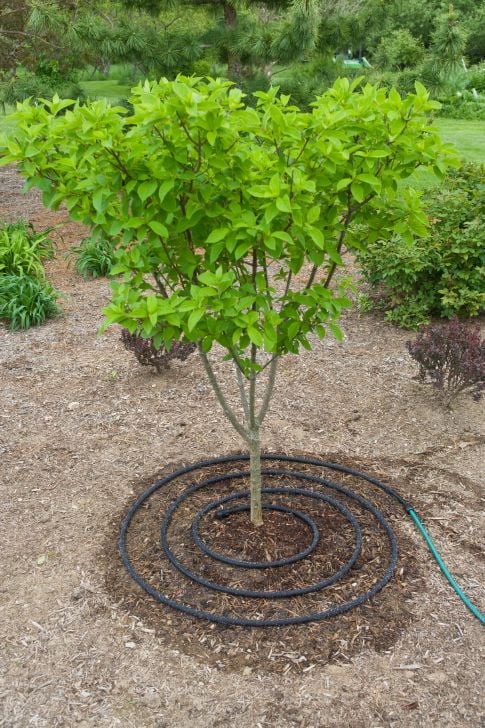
(231, 220)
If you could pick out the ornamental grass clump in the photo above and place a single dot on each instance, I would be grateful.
(231, 218)
(93, 257)
(451, 355)
(26, 301)
(23, 250)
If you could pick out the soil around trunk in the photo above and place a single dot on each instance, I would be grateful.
(84, 429)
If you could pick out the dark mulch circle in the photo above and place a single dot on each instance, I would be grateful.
(376, 624)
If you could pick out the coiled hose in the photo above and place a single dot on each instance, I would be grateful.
(219, 505)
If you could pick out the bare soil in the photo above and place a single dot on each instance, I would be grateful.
(84, 429)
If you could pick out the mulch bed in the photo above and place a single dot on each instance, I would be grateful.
(376, 624)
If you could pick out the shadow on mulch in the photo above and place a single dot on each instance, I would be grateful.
(376, 624)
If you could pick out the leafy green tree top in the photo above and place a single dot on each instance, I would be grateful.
(232, 220)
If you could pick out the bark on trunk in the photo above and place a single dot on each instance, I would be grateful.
(234, 65)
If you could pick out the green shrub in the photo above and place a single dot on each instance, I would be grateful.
(399, 50)
(94, 257)
(476, 77)
(444, 273)
(24, 84)
(305, 81)
(464, 106)
(22, 250)
(26, 301)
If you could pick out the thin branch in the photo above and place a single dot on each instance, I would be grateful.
(237, 360)
(242, 392)
(226, 407)
(187, 133)
(253, 422)
(268, 363)
(346, 222)
(312, 277)
(120, 163)
(269, 390)
(166, 26)
(23, 34)
(301, 151)
(161, 286)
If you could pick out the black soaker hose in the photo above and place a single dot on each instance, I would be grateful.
(308, 521)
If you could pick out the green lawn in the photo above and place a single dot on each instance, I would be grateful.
(105, 89)
(467, 136)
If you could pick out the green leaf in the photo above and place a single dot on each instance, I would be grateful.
(293, 329)
(283, 235)
(194, 318)
(255, 336)
(158, 228)
(242, 249)
(146, 189)
(333, 254)
(99, 202)
(316, 235)
(165, 188)
(283, 203)
(274, 184)
(378, 153)
(357, 192)
(371, 180)
(343, 183)
(217, 235)
(336, 331)
(313, 214)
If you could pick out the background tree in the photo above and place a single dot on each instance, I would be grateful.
(76, 34)
(250, 36)
(13, 16)
(400, 50)
(449, 41)
(232, 220)
(475, 45)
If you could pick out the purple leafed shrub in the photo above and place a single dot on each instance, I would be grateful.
(148, 355)
(452, 356)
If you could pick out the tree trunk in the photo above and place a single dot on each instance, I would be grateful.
(255, 476)
(234, 66)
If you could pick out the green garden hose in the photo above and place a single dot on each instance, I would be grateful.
(302, 491)
(476, 612)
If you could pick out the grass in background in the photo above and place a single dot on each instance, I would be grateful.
(107, 89)
(467, 136)
(4, 124)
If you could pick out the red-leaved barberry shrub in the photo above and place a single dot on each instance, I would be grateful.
(452, 356)
(148, 355)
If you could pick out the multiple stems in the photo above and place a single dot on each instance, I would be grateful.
(250, 427)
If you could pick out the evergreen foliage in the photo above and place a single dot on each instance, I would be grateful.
(449, 41)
